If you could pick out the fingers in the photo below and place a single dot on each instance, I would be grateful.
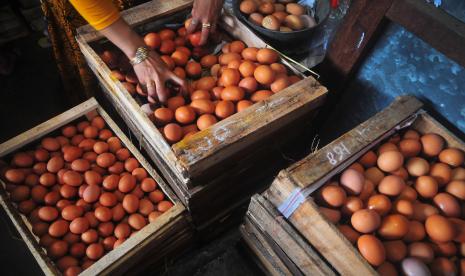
(205, 32)
(182, 83)
(162, 92)
(151, 89)
(193, 26)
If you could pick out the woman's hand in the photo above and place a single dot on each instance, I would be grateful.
(154, 74)
(205, 14)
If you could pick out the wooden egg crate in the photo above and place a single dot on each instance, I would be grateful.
(309, 174)
(203, 168)
(166, 236)
(276, 245)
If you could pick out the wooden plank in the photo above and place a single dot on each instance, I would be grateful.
(119, 259)
(351, 41)
(209, 147)
(274, 226)
(433, 25)
(268, 259)
(351, 144)
(47, 127)
(139, 15)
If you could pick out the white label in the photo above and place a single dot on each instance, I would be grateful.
(337, 154)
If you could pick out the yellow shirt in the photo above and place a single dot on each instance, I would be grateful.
(99, 13)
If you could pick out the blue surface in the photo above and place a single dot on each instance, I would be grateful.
(401, 63)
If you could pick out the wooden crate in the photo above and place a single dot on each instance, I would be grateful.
(277, 245)
(171, 232)
(298, 182)
(202, 169)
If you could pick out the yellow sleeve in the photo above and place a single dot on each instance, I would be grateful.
(99, 13)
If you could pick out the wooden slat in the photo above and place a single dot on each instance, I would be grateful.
(433, 25)
(207, 148)
(47, 127)
(119, 259)
(274, 226)
(138, 15)
(315, 166)
(356, 31)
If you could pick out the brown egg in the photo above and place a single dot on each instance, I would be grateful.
(426, 186)
(417, 166)
(456, 188)
(248, 6)
(230, 77)
(41, 155)
(256, 18)
(267, 56)
(411, 134)
(279, 84)
(71, 153)
(232, 93)
(270, 22)
(174, 102)
(457, 173)
(207, 83)
(356, 166)
(208, 61)
(421, 211)
(281, 16)
(352, 205)
(92, 178)
(452, 156)
(439, 228)
(91, 193)
(20, 193)
(223, 59)
(130, 203)
(79, 225)
(224, 109)
(294, 22)
(118, 212)
(58, 228)
(105, 229)
(387, 147)
(15, 175)
(48, 213)
(243, 104)
(349, 233)
(443, 266)
(205, 121)
(137, 221)
(432, 144)
(422, 251)
(264, 74)
(127, 183)
(250, 53)
(390, 161)
(154, 215)
(71, 212)
(261, 95)
(416, 231)
(172, 133)
(103, 214)
(110, 182)
(22, 159)
(441, 172)
(410, 147)
(185, 114)
(294, 8)
(106, 159)
(156, 196)
(80, 165)
(352, 181)
(333, 196)
(459, 225)
(395, 250)
(266, 8)
(95, 251)
(131, 164)
(368, 159)
(331, 215)
(448, 205)
(447, 249)
(57, 249)
(371, 249)
(365, 220)
(163, 115)
(374, 174)
(50, 144)
(403, 207)
(387, 269)
(393, 227)
(164, 206)
(391, 185)
(72, 178)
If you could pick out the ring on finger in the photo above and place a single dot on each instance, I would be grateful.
(206, 25)
(150, 84)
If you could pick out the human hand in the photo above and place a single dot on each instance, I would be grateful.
(205, 14)
(153, 74)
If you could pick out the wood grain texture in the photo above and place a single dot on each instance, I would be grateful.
(276, 229)
(171, 223)
(138, 15)
(433, 25)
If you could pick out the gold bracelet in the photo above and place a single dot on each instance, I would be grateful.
(142, 53)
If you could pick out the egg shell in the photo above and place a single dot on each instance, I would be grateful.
(224, 109)
(365, 221)
(447, 249)
(270, 22)
(79, 225)
(72, 212)
(403, 207)
(371, 249)
(390, 161)
(417, 166)
(456, 188)
(351, 205)
(426, 186)
(393, 227)
(352, 181)
(331, 214)
(264, 74)
(391, 185)
(395, 250)
(349, 233)
(432, 144)
(441, 172)
(58, 228)
(261, 95)
(205, 121)
(368, 159)
(443, 266)
(294, 8)
(374, 174)
(439, 228)
(387, 269)
(459, 225)
(448, 204)
(414, 267)
(452, 156)
(422, 251)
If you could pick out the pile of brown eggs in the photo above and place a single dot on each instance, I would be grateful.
(281, 15)
(219, 85)
(83, 193)
(403, 206)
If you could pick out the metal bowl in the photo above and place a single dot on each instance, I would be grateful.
(320, 13)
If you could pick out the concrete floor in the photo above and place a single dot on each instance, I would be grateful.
(32, 95)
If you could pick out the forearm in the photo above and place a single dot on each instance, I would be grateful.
(124, 37)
